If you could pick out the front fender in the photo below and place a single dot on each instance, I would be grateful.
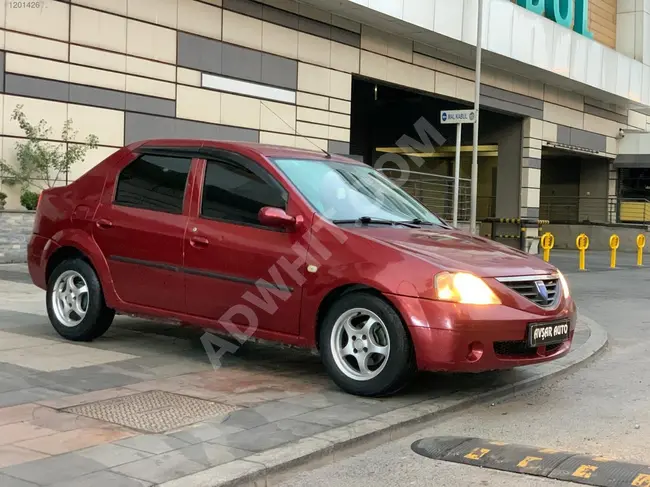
(341, 277)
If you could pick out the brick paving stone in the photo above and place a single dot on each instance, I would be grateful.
(111, 455)
(254, 398)
(17, 414)
(15, 432)
(103, 479)
(160, 468)
(86, 398)
(24, 396)
(201, 432)
(77, 439)
(61, 468)
(87, 379)
(7, 481)
(8, 384)
(333, 416)
(269, 435)
(155, 444)
(13, 455)
(277, 410)
(12, 370)
(210, 454)
(319, 400)
(244, 419)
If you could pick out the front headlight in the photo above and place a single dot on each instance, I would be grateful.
(462, 287)
(565, 285)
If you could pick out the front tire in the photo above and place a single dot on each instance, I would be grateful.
(365, 346)
(75, 302)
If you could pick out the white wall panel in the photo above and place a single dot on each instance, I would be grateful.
(500, 27)
(623, 69)
(636, 82)
(579, 51)
(419, 12)
(523, 30)
(448, 19)
(561, 56)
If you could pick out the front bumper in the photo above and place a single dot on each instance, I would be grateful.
(464, 338)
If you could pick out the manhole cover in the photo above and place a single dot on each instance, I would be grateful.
(153, 411)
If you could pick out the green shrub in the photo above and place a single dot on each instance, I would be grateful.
(29, 200)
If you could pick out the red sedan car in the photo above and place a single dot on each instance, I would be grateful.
(293, 246)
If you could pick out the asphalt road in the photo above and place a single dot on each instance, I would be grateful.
(601, 409)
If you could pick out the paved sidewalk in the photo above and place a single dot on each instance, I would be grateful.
(142, 406)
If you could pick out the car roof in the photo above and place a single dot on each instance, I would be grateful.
(266, 150)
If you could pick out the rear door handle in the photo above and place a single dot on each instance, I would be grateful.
(104, 223)
(199, 242)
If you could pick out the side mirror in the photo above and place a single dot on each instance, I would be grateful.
(276, 217)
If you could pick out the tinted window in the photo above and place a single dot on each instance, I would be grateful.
(234, 193)
(154, 183)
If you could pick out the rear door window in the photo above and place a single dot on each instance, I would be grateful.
(154, 182)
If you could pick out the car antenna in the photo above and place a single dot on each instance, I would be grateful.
(327, 154)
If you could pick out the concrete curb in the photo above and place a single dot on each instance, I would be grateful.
(273, 466)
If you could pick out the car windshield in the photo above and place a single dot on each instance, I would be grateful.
(345, 192)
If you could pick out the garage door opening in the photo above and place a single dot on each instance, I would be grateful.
(393, 128)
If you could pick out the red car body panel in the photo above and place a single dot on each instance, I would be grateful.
(212, 273)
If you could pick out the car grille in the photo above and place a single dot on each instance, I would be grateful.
(521, 349)
(542, 290)
(513, 348)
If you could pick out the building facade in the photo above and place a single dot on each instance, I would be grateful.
(561, 90)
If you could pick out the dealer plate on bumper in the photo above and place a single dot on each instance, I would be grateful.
(540, 334)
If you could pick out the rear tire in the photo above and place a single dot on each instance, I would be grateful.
(365, 346)
(75, 302)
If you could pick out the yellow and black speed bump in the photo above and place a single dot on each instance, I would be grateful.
(541, 462)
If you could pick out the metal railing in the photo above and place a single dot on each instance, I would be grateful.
(576, 209)
(435, 192)
(580, 209)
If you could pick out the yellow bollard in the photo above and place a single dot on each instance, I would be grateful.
(640, 244)
(582, 243)
(547, 242)
(614, 242)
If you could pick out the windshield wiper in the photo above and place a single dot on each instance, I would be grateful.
(417, 221)
(380, 221)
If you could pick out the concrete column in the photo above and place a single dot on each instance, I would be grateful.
(633, 29)
(531, 163)
(509, 139)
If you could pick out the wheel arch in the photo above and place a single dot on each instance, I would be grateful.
(78, 243)
(338, 292)
(61, 255)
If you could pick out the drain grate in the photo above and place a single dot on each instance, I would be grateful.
(153, 411)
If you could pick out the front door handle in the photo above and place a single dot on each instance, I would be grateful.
(199, 242)
(104, 223)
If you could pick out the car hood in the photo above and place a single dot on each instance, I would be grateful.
(455, 250)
